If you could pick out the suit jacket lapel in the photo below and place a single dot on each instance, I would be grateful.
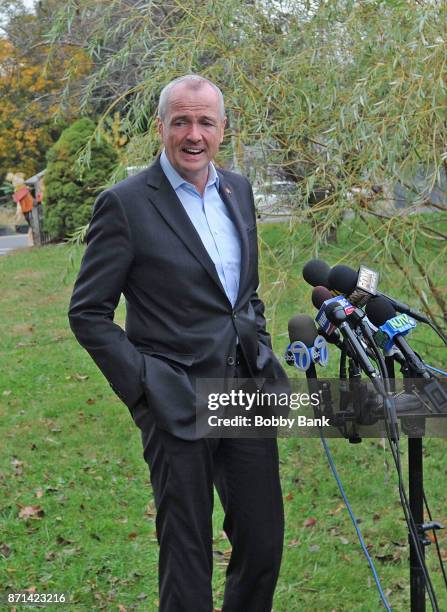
(170, 208)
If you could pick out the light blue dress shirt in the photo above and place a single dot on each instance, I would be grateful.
(213, 223)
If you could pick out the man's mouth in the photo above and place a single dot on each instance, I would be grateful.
(192, 150)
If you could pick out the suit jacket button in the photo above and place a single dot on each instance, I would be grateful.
(230, 361)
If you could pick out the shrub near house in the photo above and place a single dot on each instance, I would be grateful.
(70, 192)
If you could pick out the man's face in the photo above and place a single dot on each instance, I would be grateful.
(192, 131)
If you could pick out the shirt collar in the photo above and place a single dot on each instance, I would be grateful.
(178, 181)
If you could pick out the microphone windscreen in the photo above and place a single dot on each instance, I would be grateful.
(302, 328)
(342, 279)
(379, 310)
(316, 272)
(320, 295)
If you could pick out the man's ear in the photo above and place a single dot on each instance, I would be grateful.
(160, 128)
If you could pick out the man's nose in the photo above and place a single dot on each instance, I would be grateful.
(194, 133)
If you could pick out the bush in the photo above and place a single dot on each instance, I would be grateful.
(70, 192)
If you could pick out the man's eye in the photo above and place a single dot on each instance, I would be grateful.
(179, 122)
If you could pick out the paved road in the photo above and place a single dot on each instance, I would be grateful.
(15, 241)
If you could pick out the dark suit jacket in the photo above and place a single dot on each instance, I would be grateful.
(180, 325)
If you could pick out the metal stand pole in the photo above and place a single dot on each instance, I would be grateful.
(415, 489)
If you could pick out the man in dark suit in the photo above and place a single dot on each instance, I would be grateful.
(179, 241)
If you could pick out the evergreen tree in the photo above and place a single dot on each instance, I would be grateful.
(70, 191)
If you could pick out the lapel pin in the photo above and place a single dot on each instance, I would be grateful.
(228, 190)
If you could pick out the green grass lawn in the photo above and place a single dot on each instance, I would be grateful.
(71, 460)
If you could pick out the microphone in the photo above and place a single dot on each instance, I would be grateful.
(392, 329)
(335, 314)
(319, 295)
(358, 286)
(316, 272)
(306, 347)
(361, 286)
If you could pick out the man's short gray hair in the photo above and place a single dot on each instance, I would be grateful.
(194, 81)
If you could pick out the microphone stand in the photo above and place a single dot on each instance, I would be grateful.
(413, 425)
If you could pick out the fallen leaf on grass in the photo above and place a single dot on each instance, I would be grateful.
(90, 402)
(310, 522)
(5, 550)
(121, 608)
(78, 377)
(39, 493)
(289, 497)
(62, 541)
(344, 540)
(132, 535)
(18, 466)
(50, 555)
(389, 557)
(31, 512)
(7, 392)
(294, 543)
(334, 531)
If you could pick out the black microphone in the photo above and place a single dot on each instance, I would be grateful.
(347, 281)
(300, 326)
(319, 295)
(316, 272)
(383, 314)
(358, 286)
(336, 314)
(356, 318)
(308, 348)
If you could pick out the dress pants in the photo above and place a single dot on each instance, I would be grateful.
(245, 472)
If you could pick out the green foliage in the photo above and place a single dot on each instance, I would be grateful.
(70, 190)
(345, 99)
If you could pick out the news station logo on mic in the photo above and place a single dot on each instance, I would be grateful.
(321, 319)
(304, 356)
(400, 325)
